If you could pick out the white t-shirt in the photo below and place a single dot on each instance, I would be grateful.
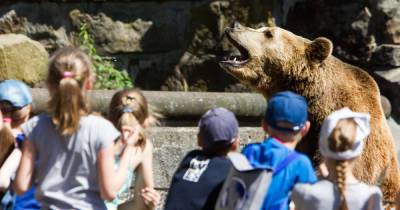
(324, 195)
(66, 169)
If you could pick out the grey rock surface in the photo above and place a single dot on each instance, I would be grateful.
(113, 36)
(49, 37)
(387, 55)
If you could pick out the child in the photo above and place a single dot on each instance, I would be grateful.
(15, 103)
(201, 174)
(286, 123)
(130, 108)
(341, 142)
(74, 150)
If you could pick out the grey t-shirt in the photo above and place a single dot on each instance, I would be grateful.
(324, 195)
(66, 169)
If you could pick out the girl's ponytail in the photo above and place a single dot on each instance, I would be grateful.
(340, 140)
(69, 71)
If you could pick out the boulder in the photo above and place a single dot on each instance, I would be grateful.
(113, 36)
(22, 58)
(387, 55)
(49, 37)
(387, 20)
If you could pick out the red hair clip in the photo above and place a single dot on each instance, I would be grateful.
(68, 74)
(7, 120)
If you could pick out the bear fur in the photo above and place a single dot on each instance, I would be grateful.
(273, 59)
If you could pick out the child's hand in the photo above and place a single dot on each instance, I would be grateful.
(150, 197)
(130, 136)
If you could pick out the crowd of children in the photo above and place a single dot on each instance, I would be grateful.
(61, 159)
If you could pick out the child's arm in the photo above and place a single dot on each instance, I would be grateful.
(110, 181)
(145, 196)
(25, 170)
(9, 168)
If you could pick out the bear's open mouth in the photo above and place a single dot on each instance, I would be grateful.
(238, 58)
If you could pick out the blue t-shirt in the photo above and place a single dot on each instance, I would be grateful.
(269, 154)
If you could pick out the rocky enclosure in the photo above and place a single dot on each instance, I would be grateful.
(175, 45)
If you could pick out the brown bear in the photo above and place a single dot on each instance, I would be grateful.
(272, 59)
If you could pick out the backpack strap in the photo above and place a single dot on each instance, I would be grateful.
(292, 156)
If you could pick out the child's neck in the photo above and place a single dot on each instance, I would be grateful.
(289, 144)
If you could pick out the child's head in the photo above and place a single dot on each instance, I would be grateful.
(218, 131)
(129, 108)
(70, 74)
(341, 142)
(15, 102)
(286, 117)
(15, 106)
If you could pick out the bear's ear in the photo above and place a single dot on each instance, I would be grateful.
(319, 49)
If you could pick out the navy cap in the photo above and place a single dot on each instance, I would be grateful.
(287, 107)
(15, 92)
(218, 125)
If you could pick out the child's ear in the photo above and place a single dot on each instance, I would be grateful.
(88, 84)
(235, 144)
(305, 129)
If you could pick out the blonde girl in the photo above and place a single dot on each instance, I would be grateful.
(73, 150)
(129, 108)
(341, 143)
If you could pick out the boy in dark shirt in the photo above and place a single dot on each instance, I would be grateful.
(201, 174)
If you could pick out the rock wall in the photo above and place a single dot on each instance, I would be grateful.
(175, 45)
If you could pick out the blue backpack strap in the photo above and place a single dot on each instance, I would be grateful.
(292, 156)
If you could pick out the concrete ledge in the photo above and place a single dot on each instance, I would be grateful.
(173, 105)
(172, 143)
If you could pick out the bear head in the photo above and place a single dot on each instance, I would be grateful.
(272, 59)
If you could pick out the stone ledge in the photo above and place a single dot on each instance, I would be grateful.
(173, 105)
(172, 143)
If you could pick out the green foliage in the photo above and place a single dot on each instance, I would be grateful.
(107, 77)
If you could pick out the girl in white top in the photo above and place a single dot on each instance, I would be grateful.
(73, 150)
(129, 107)
(341, 143)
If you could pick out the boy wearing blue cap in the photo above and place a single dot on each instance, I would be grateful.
(286, 123)
(15, 106)
(201, 174)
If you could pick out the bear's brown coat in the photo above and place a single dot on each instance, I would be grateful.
(274, 59)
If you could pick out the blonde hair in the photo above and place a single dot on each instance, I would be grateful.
(340, 140)
(129, 107)
(69, 69)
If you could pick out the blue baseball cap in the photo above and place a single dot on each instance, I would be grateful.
(15, 92)
(218, 125)
(287, 107)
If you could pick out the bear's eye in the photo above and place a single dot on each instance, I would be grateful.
(268, 34)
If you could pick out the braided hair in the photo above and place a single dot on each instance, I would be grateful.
(341, 140)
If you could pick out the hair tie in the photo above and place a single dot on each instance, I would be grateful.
(127, 109)
(7, 120)
(68, 74)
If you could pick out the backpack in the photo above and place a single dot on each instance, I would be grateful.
(241, 189)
